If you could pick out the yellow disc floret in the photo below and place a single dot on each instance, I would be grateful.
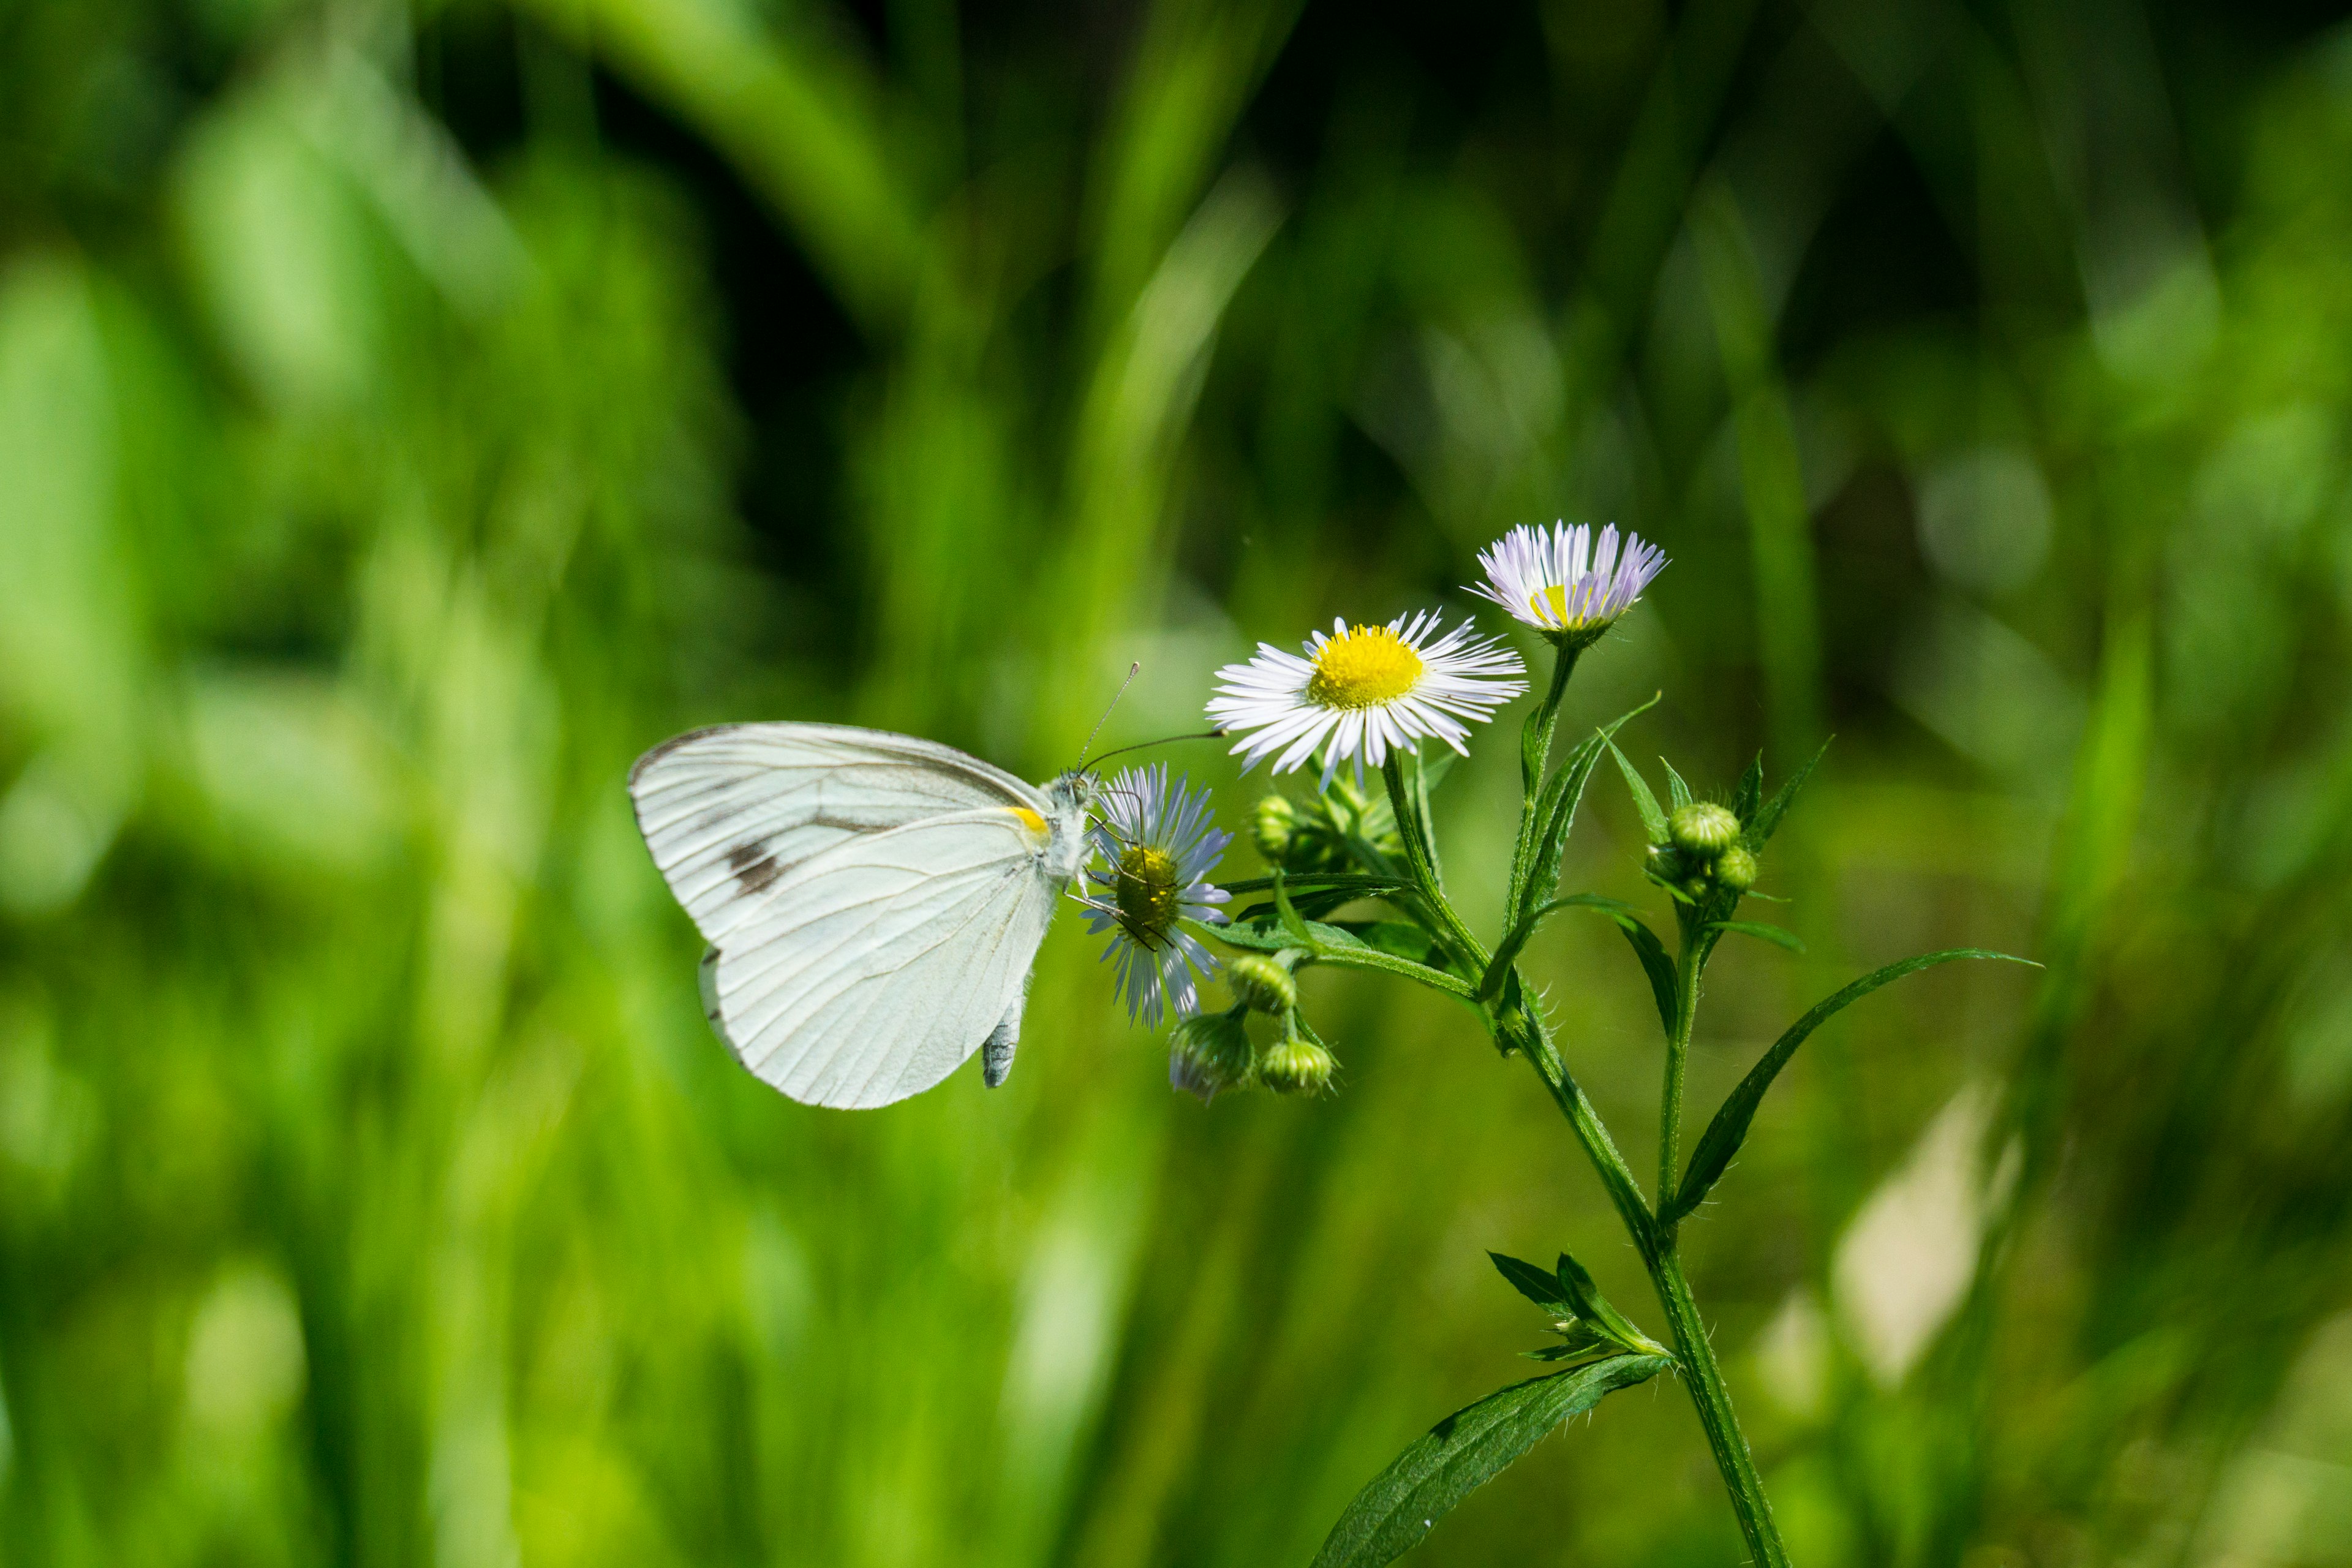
(1363, 667)
(1147, 894)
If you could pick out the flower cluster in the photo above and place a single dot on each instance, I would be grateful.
(1358, 696)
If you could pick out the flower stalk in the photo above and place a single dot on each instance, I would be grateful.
(1366, 695)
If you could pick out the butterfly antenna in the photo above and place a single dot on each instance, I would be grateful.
(1218, 734)
(1132, 672)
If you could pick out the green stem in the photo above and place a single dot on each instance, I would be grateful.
(1687, 964)
(1616, 1176)
(1466, 948)
(1535, 754)
(1704, 1378)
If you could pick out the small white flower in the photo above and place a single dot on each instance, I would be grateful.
(1363, 692)
(1158, 849)
(1556, 580)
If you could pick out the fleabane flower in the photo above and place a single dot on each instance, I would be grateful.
(1559, 581)
(1154, 850)
(1360, 692)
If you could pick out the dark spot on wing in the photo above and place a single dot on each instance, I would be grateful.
(755, 870)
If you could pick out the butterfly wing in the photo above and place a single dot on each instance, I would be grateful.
(877, 966)
(730, 812)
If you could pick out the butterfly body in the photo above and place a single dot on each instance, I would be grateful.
(873, 901)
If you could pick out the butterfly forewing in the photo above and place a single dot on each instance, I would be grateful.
(729, 812)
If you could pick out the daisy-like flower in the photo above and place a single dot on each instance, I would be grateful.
(1556, 580)
(1154, 851)
(1360, 692)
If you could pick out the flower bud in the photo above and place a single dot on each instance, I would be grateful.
(1297, 1066)
(1735, 868)
(1666, 863)
(1261, 983)
(1209, 1052)
(1272, 826)
(1703, 828)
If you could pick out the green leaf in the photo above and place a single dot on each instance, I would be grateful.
(1538, 1285)
(1767, 820)
(1291, 923)
(1762, 933)
(1363, 886)
(1463, 1452)
(1401, 938)
(1750, 792)
(1581, 1342)
(1655, 963)
(1593, 1307)
(1515, 940)
(1556, 809)
(1654, 821)
(1677, 791)
(1326, 944)
(1725, 1134)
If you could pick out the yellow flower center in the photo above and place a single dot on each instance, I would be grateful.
(1146, 891)
(1554, 599)
(1363, 667)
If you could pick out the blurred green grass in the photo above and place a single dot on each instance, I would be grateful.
(406, 415)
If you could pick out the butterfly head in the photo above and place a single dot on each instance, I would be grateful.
(1068, 800)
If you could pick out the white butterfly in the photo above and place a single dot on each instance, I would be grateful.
(873, 901)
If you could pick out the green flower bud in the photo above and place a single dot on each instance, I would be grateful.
(1735, 868)
(1209, 1052)
(1666, 863)
(1271, 827)
(1261, 983)
(1297, 1066)
(1703, 828)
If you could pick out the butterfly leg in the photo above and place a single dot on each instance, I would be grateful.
(996, 1054)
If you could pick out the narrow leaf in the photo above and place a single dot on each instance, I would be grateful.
(1516, 938)
(1767, 820)
(1290, 920)
(1463, 1452)
(1762, 933)
(1725, 1134)
(1593, 1307)
(1401, 938)
(1654, 820)
(1677, 791)
(1750, 792)
(1655, 963)
(1364, 887)
(1556, 811)
(1540, 1285)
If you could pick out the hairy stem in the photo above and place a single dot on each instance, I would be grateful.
(1535, 755)
(1670, 1103)
(1465, 948)
(1704, 1378)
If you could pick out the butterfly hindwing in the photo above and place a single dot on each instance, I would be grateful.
(881, 963)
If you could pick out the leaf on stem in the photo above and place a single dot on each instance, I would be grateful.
(1750, 792)
(1766, 820)
(1556, 811)
(1775, 935)
(1725, 1134)
(1677, 791)
(1463, 1452)
(1655, 963)
(1516, 939)
(1540, 1285)
(1654, 821)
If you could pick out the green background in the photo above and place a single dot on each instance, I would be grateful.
(408, 415)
